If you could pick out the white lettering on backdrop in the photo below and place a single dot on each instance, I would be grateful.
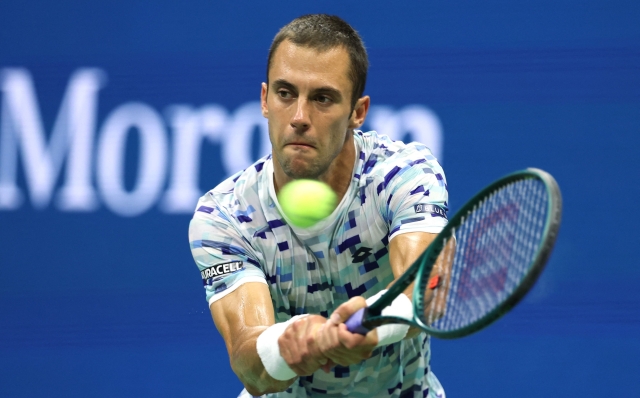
(98, 153)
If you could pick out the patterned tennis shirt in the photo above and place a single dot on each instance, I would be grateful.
(239, 234)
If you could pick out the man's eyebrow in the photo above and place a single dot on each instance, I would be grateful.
(320, 90)
(283, 83)
(328, 90)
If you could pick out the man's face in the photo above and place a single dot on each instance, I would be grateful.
(308, 104)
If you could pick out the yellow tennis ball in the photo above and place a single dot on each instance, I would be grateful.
(305, 202)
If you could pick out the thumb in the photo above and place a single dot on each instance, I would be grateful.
(345, 310)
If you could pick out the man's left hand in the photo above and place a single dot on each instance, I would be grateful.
(338, 344)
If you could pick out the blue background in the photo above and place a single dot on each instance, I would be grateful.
(95, 303)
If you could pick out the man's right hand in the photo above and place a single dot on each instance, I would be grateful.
(298, 345)
(341, 346)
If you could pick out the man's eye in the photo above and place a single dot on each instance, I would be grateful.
(284, 94)
(323, 99)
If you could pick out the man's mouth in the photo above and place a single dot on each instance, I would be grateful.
(300, 144)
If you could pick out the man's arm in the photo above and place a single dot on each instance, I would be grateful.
(404, 249)
(242, 316)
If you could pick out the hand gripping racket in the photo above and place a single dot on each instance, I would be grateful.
(482, 263)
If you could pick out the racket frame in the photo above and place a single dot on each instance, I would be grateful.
(420, 270)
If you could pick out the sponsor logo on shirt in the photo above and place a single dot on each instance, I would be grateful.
(220, 270)
(360, 255)
(433, 209)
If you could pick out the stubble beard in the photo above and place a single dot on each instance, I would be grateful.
(312, 170)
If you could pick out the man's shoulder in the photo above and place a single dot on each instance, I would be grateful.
(241, 189)
(382, 155)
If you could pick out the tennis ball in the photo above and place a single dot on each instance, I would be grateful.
(305, 202)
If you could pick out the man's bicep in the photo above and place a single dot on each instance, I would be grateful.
(405, 248)
(248, 306)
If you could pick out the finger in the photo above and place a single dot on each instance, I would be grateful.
(337, 354)
(348, 339)
(312, 357)
(328, 366)
(350, 357)
(345, 310)
(286, 352)
(306, 368)
(371, 338)
(345, 359)
(303, 362)
(327, 338)
(315, 341)
(298, 345)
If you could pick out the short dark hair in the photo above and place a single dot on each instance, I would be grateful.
(323, 32)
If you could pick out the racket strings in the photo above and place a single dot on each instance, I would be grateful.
(438, 301)
(496, 243)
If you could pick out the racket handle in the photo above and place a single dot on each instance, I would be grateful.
(354, 323)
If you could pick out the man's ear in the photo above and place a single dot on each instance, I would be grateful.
(359, 113)
(263, 100)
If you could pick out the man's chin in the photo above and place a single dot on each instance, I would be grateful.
(297, 167)
(300, 172)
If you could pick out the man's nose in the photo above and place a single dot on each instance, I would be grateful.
(300, 120)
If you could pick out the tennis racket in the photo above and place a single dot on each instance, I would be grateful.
(483, 262)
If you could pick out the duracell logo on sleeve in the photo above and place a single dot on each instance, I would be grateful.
(221, 269)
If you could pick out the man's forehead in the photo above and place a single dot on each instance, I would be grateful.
(291, 59)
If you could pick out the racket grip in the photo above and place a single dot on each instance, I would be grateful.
(354, 323)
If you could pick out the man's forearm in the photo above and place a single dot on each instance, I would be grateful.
(247, 365)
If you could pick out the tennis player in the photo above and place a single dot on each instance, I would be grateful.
(279, 294)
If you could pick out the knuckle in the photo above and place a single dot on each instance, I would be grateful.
(296, 360)
(357, 301)
(351, 344)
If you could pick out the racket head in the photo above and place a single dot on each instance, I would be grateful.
(503, 238)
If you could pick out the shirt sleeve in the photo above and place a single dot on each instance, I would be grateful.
(415, 194)
(224, 257)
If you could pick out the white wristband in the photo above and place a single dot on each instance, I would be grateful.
(401, 307)
(269, 350)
